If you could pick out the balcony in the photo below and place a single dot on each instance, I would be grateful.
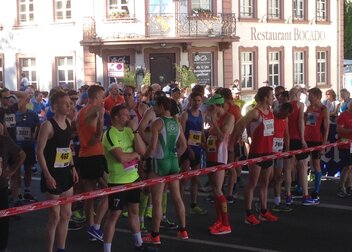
(169, 26)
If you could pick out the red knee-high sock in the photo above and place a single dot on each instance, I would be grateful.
(218, 209)
(223, 208)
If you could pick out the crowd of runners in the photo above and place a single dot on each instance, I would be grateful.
(93, 138)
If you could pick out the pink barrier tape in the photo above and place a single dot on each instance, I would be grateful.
(149, 182)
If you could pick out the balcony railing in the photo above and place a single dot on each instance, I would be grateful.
(172, 25)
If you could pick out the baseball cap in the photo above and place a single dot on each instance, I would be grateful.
(215, 100)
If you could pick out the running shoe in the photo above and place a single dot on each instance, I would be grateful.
(198, 211)
(230, 199)
(72, 225)
(251, 220)
(182, 235)
(316, 198)
(146, 248)
(289, 200)
(267, 216)
(349, 191)
(281, 208)
(221, 230)
(167, 224)
(124, 214)
(96, 233)
(214, 226)
(308, 201)
(342, 193)
(152, 240)
(148, 212)
(29, 197)
(78, 216)
(297, 194)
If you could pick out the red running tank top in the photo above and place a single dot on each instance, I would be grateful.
(293, 122)
(279, 133)
(313, 123)
(217, 151)
(262, 133)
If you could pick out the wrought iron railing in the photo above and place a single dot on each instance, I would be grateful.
(176, 25)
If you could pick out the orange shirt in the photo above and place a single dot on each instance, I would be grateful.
(110, 102)
(85, 133)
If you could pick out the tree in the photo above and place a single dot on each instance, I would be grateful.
(186, 76)
(348, 29)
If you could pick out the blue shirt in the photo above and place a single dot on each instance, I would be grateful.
(26, 124)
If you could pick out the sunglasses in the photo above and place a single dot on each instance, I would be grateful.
(6, 97)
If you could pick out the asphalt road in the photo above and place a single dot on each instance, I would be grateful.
(326, 227)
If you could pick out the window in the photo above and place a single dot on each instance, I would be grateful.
(248, 67)
(275, 10)
(29, 67)
(248, 8)
(119, 9)
(323, 65)
(300, 10)
(201, 5)
(300, 65)
(62, 9)
(2, 84)
(65, 71)
(275, 61)
(25, 11)
(323, 11)
(274, 68)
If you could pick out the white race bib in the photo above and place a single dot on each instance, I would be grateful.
(10, 120)
(278, 144)
(312, 119)
(268, 127)
(62, 157)
(23, 134)
(195, 138)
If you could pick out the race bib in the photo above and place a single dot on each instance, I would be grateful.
(268, 127)
(211, 144)
(278, 144)
(131, 165)
(23, 134)
(62, 158)
(312, 119)
(10, 120)
(195, 138)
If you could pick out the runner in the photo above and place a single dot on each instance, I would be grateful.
(192, 124)
(281, 143)
(316, 134)
(221, 126)
(166, 133)
(27, 125)
(58, 172)
(344, 130)
(123, 147)
(261, 130)
(92, 163)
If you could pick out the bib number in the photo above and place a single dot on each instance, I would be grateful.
(278, 144)
(268, 127)
(10, 121)
(131, 165)
(211, 144)
(23, 134)
(195, 138)
(62, 158)
(311, 119)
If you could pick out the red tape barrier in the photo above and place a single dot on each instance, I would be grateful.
(149, 182)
